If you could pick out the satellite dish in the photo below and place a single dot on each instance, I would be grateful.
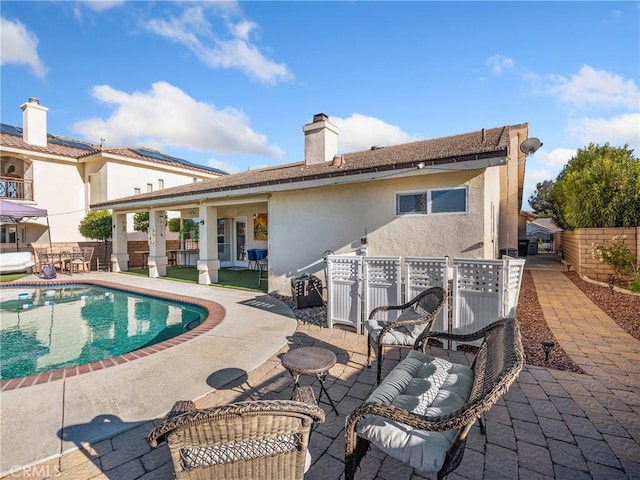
(530, 145)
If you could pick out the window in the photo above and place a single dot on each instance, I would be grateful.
(149, 187)
(444, 200)
(452, 200)
(160, 184)
(136, 191)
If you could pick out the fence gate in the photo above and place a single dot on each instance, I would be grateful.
(483, 291)
(344, 274)
(382, 285)
(422, 273)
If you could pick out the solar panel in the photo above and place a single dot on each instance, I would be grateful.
(10, 129)
(70, 143)
(169, 158)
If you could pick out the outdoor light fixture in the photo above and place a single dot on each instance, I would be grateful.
(202, 222)
(547, 345)
(420, 165)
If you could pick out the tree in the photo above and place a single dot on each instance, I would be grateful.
(141, 222)
(540, 199)
(598, 187)
(97, 226)
(174, 224)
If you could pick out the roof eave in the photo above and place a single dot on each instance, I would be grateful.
(313, 180)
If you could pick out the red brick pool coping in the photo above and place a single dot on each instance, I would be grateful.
(215, 317)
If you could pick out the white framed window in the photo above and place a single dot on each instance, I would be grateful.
(136, 191)
(160, 184)
(149, 187)
(434, 201)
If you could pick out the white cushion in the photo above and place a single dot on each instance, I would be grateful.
(426, 386)
(15, 262)
(403, 335)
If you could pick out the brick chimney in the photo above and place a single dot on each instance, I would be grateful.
(320, 140)
(34, 123)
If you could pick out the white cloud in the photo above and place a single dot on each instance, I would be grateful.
(597, 87)
(19, 46)
(359, 132)
(102, 5)
(236, 51)
(556, 158)
(500, 63)
(167, 116)
(532, 177)
(617, 130)
(222, 165)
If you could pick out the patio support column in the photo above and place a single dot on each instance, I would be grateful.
(208, 263)
(157, 238)
(119, 254)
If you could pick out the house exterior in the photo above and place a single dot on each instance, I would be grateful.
(458, 196)
(63, 176)
(543, 230)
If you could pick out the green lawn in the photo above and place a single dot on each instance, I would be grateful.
(241, 279)
(10, 277)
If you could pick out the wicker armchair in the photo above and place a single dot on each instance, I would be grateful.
(441, 433)
(417, 316)
(264, 439)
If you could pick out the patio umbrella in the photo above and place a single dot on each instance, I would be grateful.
(11, 212)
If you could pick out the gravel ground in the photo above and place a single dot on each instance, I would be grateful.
(621, 307)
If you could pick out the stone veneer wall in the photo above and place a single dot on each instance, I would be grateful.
(577, 244)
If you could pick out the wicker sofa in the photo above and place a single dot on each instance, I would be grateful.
(425, 407)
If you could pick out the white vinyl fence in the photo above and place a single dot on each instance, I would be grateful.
(481, 290)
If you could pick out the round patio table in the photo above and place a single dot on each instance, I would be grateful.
(310, 361)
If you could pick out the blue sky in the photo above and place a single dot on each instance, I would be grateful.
(231, 84)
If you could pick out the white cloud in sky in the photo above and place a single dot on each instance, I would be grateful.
(359, 132)
(102, 5)
(168, 117)
(194, 31)
(617, 130)
(595, 87)
(532, 177)
(556, 158)
(19, 46)
(222, 165)
(499, 63)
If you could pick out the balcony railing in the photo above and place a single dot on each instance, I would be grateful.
(16, 188)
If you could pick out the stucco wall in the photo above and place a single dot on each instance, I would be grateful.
(303, 224)
(59, 188)
(122, 179)
(577, 245)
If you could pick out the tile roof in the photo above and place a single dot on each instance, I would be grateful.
(478, 145)
(11, 136)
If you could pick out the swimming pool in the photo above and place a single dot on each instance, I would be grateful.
(50, 327)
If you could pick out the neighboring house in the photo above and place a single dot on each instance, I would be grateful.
(64, 176)
(542, 230)
(457, 196)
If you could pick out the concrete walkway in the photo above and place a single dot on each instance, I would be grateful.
(551, 424)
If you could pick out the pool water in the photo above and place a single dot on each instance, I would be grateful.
(48, 328)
